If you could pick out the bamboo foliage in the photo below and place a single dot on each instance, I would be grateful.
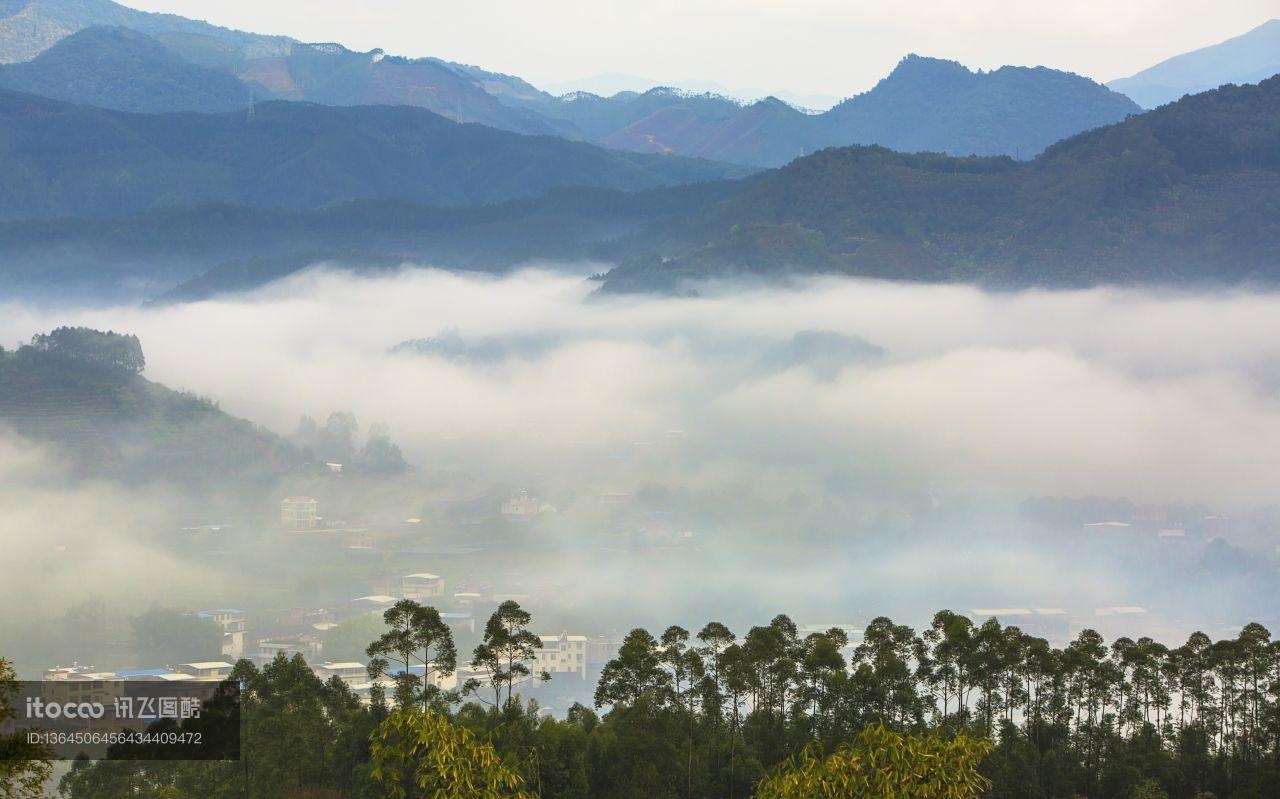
(422, 755)
(883, 764)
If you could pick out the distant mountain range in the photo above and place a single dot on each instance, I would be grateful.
(1189, 192)
(276, 164)
(1248, 58)
(121, 69)
(65, 160)
(925, 104)
(608, 84)
(1186, 194)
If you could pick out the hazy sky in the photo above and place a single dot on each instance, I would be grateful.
(810, 46)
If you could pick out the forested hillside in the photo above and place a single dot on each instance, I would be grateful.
(960, 709)
(82, 392)
(924, 104)
(1187, 193)
(64, 160)
(197, 252)
(124, 70)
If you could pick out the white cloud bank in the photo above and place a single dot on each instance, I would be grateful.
(1163, 398)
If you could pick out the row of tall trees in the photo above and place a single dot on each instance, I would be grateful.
(712, 712)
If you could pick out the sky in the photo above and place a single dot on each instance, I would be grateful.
(827, 47)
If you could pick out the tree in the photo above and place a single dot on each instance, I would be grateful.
(110, 350)
(635, 673)
(418, 753)
(505, 651)
(350, 639)
(882, 764)
(336, 441)
(24, 766)
(381, 455)
(418, 636)
(164, 636)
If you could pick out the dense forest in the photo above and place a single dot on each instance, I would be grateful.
(1188, 193)
(82, 392)
(69, 160)
(714, 713)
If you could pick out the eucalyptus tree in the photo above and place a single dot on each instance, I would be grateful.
(636, 674)
(418, 636)
(714, 638)
(884, 665)
(504, 653)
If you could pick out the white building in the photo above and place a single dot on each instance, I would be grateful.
(233, 626)
(306, 645)
(562, 654)
(522, 506)
(374, 603)
(352, 673)
(299, 513)
(207, 670)
(421, 586)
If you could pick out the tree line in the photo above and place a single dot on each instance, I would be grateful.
(767, 712)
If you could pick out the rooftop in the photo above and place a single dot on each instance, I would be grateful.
(143, 672)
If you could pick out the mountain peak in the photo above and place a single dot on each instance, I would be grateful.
(114, 67)
(920, 65)
(1250, 57)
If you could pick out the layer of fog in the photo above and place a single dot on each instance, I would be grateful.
(880, 435)
(1111, 392)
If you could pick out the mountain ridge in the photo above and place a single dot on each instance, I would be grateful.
(995, 113)
(129, 71)
(1248, 58)
(1189, 192)
(67, 160)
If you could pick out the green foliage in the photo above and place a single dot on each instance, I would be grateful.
(24, 767)
(422, 754)
(108, 350)
(78, 389)
(300, 738)
(166, 636)
(504, 652)
(418, 637)
(336, 442)
(882, 764)
(76, 161)
(347, 641)
(1190, 191)
(956, 710)
(117, 68)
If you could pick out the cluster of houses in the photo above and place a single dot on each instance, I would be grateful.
(302, 632)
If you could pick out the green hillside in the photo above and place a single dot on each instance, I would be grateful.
(212, 249)
(81, 391)
(127, 71)
(1187, 193)
(58, 159)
